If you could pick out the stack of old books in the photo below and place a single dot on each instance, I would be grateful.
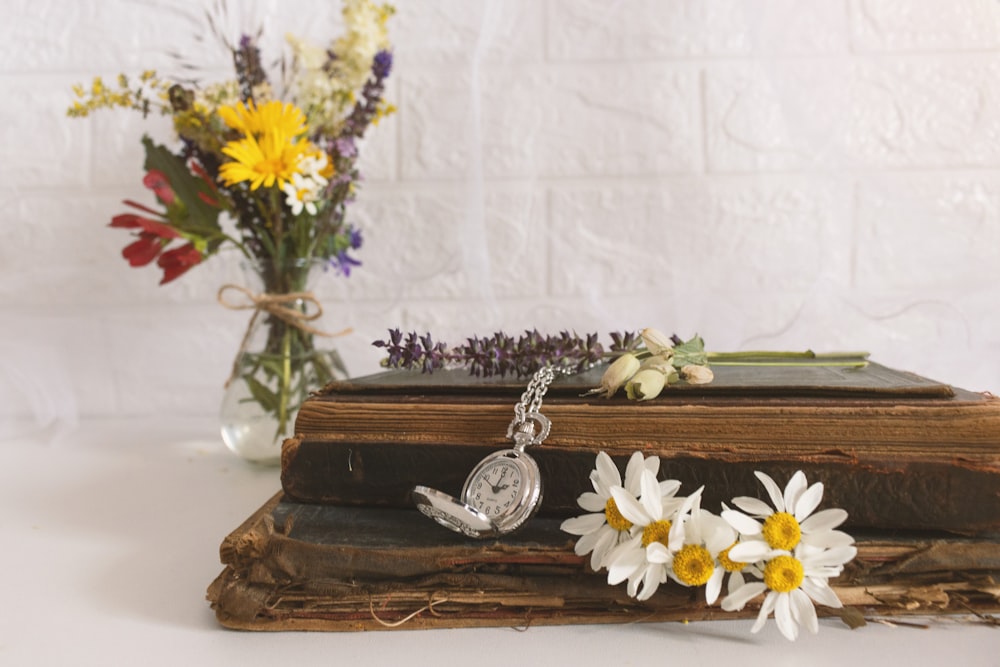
(916, 464)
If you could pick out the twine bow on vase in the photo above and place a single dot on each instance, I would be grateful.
(276, 305)
(276, 366)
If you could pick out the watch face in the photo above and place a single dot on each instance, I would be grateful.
(505, 487)
(496, 488)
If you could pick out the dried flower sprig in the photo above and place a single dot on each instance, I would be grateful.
(500, 354)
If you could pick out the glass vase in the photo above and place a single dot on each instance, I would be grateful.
(283, 358)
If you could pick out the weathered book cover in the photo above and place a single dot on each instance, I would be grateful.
(294, 566)
(896, 450)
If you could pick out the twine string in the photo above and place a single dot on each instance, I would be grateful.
(276, 305)
(433, 599)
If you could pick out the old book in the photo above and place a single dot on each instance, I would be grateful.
(896, 450)
(294, 566)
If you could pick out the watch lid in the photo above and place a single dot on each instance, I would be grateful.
(452, 514)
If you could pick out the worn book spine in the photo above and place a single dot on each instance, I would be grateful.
(295, 567)
(879, 489)
(895, 450)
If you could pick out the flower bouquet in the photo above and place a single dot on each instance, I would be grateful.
(266, 168)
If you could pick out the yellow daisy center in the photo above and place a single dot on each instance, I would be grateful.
(614, 517)
(782, 531)
(658, 531)
(783, 574)
(727, 564)
(693, 565)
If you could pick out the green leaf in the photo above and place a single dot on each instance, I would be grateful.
(690, 352)
(203, 217)
(267, 398)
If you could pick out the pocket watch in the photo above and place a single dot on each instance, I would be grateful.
(503, 490)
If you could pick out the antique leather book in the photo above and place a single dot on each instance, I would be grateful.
(896, 450)
(293, 566)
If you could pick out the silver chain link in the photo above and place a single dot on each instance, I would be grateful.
(531, 399)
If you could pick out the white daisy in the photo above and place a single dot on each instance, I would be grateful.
(605, 528)
(793, 583)
(657, 534)
(791, 520)
(703, 560)
(725, 565)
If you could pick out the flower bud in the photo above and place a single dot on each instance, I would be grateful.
(645, 384)
(696, 374)
(618, 373)
(657, 342)
(663, 364)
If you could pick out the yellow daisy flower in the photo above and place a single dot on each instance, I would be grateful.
(274, 117)
(272, 159)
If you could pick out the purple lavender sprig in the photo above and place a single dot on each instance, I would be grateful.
(500, 354)
(249, 69)
(366, 108)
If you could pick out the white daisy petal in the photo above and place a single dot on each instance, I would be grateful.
(633, 468)
(738, 598)
(803, 610)
(650, 582)
(808, 501)
(753, 506)
(827, 539)
(669, 488)
(651, 499)
(772, 490)
(629, 507)
(606, 542)
(793, 490)
(633, 586)
(714, 585)
(783, 617)
(741, 522)
(657, 553)
(592, 502)
(586, 544)
(749, 551)
(596, 483)
(676, 535)
(836, 556)
(820, 591)
(607, 470)
(765, 610)
(652, 464)
(827, 519)
(624, 564)
(736, 581)
(581, 525)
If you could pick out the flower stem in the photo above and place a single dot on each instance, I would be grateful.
(286, 378)
(786, 358)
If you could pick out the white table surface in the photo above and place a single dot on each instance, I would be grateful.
(111, 534)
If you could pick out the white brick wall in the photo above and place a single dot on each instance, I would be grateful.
(771, 174)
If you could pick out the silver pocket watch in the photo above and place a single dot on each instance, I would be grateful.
(504, 490)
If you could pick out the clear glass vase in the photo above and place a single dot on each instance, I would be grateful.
(281, 361)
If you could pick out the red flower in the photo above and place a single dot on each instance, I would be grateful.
(156, 181)
(153, 237)
(133, 221)
(143, 251)
(177, 261)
